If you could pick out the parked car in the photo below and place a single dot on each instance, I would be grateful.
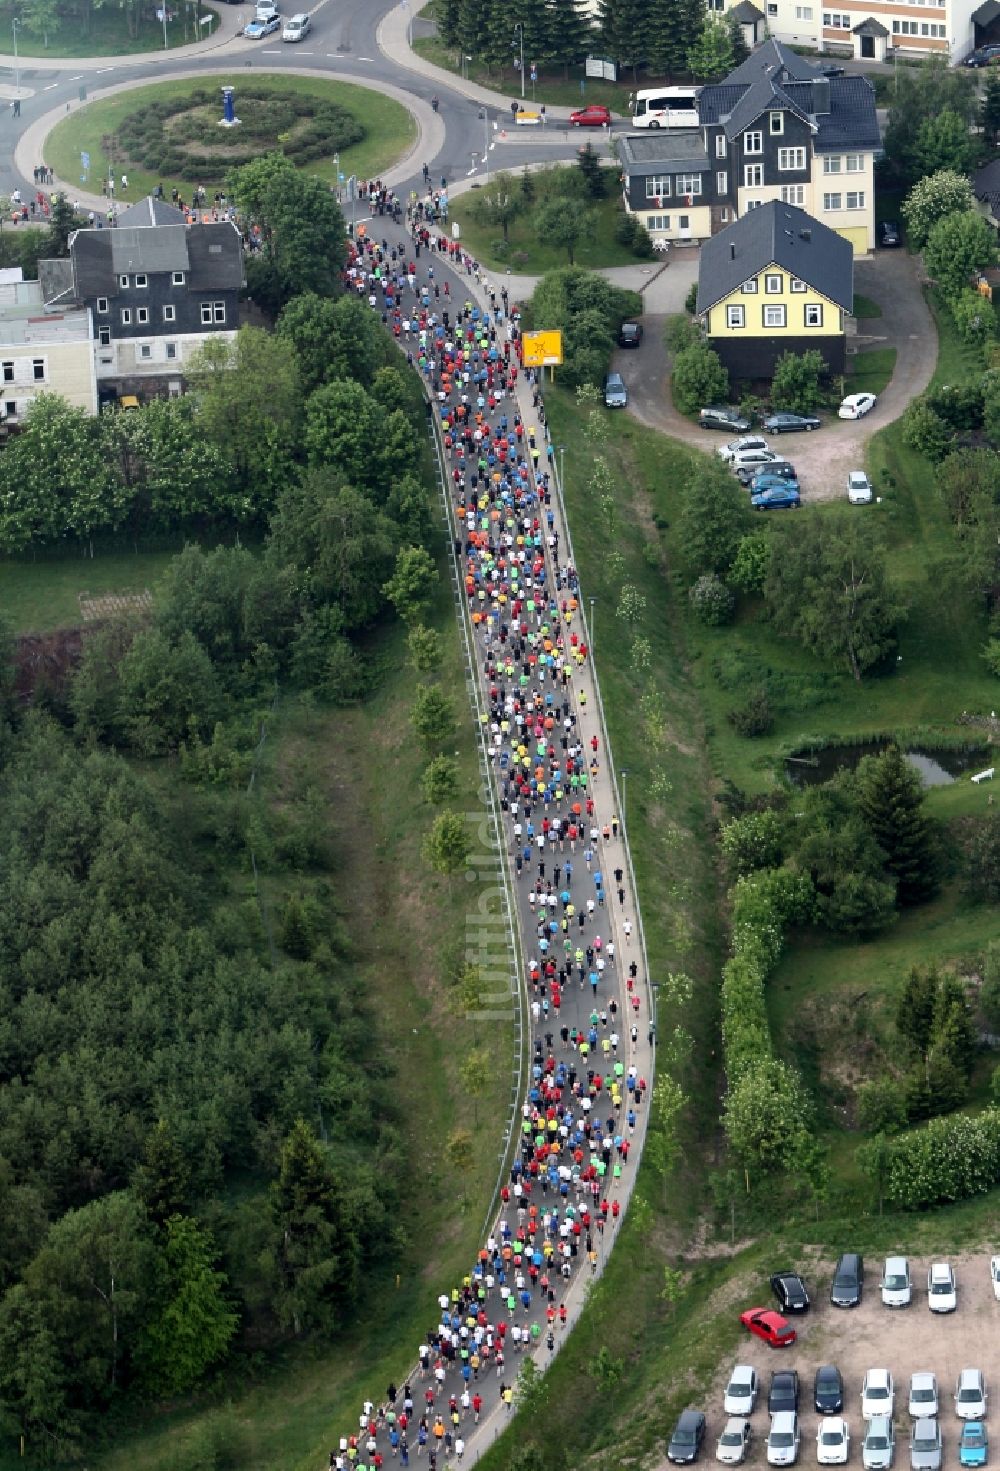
(923, 1401)
(783, 1439)
(828, 1390)
(942, 1288)
(717, 416)
(784, 1391)
(256, 30)
(751, 459)
(877, 1394)
(983, 56)
(741, 1391)
(734, 1442)
(788, 1287)
(296, 28)
(778, 498)
(889, 233)
(926, 1448)
(897, 1290)
(995, 1275)
(770, 1326)
(860, 493)
(856, 405)
(879, 1447)
(630, 334)
(739, 446)
(615, 392)
(971, 1395)
(973, 1446)
(686, 1441)
(848, 1281)
(790, 423)
(593, 116)
(747, 474)
(829, 69)
(766, 479)
(833, 1442)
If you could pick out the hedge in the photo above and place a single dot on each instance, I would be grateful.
(948, 1159)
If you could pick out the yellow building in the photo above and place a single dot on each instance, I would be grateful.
(42, 351)
(775, 281)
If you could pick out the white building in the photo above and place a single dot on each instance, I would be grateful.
(43, 349)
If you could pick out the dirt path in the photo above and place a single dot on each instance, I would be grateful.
(822, 459)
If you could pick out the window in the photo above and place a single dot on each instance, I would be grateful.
(735, 316)
(917, 28)
(855, 199)
(145, 352)
(689, 184)
(749, 288)
(774, 316)
(753, 142)
(169, 313)
(832, 165)
(38, 370)
(754, 204)
(837, 21)
(772, 8)
(219, 310)
(720, 145)
(171, 348)
(721, 182)
(657, 222)
(832, 201)
(683, 222)
(126, 317)
(793, 194)
(658, 186)
(104, 336)
(798, 285)
(10, 408)
(123, 282)
(773, 285)
(142, 314)
(854, 163)
(803, 12)
(206, 314)
(177, 279)
(753, 175)
(791, 158)
(102, 303)
(212, 311)
(724, 216)
(813, 315)
(141, 282)
(8, 372)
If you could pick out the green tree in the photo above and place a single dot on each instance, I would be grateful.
(165, 690)
(63, 220)
(989, 994)
(432, 716)
(966, 477)
(751, 563)
(439, 781)
(852, 893)
(919, 93)
(698, 378)
(881, 1106)
(624, 31)
(332, 339)
(54, 481)
(711, 601)
(192, 1325)
(412, 584)
(933, 198)
(713, 520)
(447, 846)
(564, 223)
(300, 227)
(712, 56)
(663, 1139)
(925, 431)
(475, 1071)
(981, 867)
(974, 317)
(318, 1247)
(767, 1116)
(162, 1180)
(424, 649)
(915, 1008)
(36, 1381)
(754, 840)
(828, 587)
(593, 175)
(341, 427)
(959, 247)
(874, 1160)
(891, 801)
(795, 385)
(944, 142)
(500, 204)
(990, 109)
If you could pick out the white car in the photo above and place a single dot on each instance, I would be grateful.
(942, 1288)
(970, 1395)
(859, 493)
(995, 1275)
(753, 459)
(896, 1286)
(296, 27)
(741, 1391)
(857, 405)
(734, 1442)
(746, 441)
(879, 1444)
(877, 1394)
(923, 1402)
(783, 1439)
(833, 1442)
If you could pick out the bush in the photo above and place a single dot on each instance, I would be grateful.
(691, 300)
(974, 317)
(981, 860)
(753, 841)
(925, 431)
(753, 559)
(711, 600)
(682, 333)
(625, 227)
(881, 1105)
(960, 405)
(795, 386)
(642, 242)
(949, 1159)
(754, 717)
(698, 378)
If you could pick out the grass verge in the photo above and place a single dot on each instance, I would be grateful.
(565, 87)
(389, 131)
(108, 33)
(870, 371)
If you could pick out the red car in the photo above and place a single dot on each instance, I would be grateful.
(594, 116)
(765, 1323)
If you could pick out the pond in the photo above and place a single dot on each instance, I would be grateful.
(937, 768)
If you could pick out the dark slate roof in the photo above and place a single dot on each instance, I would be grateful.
(215, 253)
(746, 13)
(781, 235)
(660, 149)
(55, 277)
(762, 96)
(764, 59)
(93, 273)
(986, 185)
(150, 211)
(148, 248)
(211, 256)
(850, 122)
(987, 13)
(870, 27)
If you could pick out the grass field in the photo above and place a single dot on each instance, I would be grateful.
(389, 131)
(864, 307)
(870, 371)
(39, 596)
(108, 33)
(552, 87)
(527, 250)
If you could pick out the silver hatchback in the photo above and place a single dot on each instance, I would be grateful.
(926, 1449)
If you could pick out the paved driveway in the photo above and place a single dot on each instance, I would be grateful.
(824, 458)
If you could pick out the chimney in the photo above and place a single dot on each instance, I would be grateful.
(805, 235)
(821, 95)
(732, 250)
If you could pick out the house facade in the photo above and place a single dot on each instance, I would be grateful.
(773, 130)
(156, 288)
(873, 29)
(42, 350)
(775, 281)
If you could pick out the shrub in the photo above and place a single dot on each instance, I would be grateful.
(948, 1159)
(642, 242)
(698, 378)
(974, 317)
(960, 404)
(711, 600)
(625, 227)
(925, 431)
(753, 558)
(691, 300)
(682, 333)
(795, 386)
(754, 717)
(753, 841)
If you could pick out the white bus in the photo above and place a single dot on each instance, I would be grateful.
(665, 107)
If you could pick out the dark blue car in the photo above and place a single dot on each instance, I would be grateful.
(768, 480)
(778, 498)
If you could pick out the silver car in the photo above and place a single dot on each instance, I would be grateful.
(734, 1442)
(879, 1446)
(923, 1401)
(926, 1449)
(615, 392)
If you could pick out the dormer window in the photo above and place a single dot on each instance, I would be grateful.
(177, 279)
(141, 282)
(777, 122)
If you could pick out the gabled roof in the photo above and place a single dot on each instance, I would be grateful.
(869, 27)
(770, 58)
(761, 96)
(986, 14)
(55, 277)
(661, 150)
(840, 110)
(210, 255)
(150, 211)
(215, 256)
(746, 13)
(780, 235)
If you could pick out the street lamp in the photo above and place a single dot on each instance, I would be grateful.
(593, 637)
(17, 70)
(562, 461)
(624, 798)
(519, 27)
(486, 142)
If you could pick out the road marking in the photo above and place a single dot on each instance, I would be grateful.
(77, 77)
(50, 86)
(101, 69)
(365, 58)
(270, 51)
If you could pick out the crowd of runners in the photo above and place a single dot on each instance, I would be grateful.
(586, 1093)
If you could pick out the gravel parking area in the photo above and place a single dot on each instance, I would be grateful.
(903, 1340)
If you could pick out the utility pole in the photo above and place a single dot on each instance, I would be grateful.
(17, 68)
(519, 27)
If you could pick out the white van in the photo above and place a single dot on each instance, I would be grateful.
(266, 10)
(296, 27)
(666, 107)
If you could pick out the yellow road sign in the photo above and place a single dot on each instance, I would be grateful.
(542, 349)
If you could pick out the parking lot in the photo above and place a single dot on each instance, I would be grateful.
(903, 1340)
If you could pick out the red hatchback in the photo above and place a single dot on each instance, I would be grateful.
(765, 1323)
(594, 116)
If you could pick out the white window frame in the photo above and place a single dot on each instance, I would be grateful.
(791, 160)
(104, 336)
(753, 141)
(177, 279)
(753, 176)
(170, 349)
(774, 316)
(657, 222)
(126, 316)
(749, 287)
(775, 124)
(8, 372)
(145, 352)
(736, 317)
(169, 313)
(141, 282)
(102, 304)
(854, 163)
(722, 182)
(142, 315)
(833, 163)
(123, 282)
(39, 370)
(833, 201)
(793, 194)
(798, 285)
(854, 199)
(218, 312)
(720, 145)
(812, 314)
(773, 284)
(206, 314)
(688, 185)
(658, 186)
